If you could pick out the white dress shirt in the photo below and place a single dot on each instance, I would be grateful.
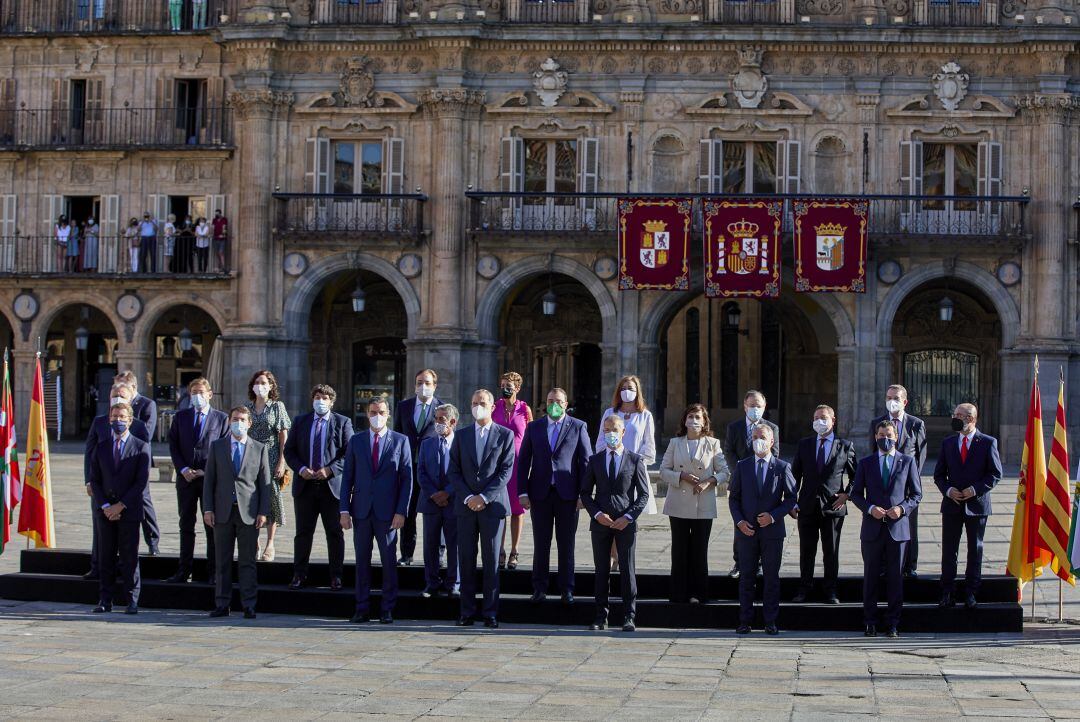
(311, 438)
(420, 406)
(960, 445)
(619, 456)
(381, 436)
(482, 434)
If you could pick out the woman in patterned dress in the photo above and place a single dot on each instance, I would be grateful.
(514, 415)
(270, 425)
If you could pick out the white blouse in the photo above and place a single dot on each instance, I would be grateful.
(640, 436)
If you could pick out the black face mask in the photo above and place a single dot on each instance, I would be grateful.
(957, 425)
(507, 392)
(886, 444)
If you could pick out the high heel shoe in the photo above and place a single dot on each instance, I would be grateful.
(513, 561)
(268, 552)
(502, 560)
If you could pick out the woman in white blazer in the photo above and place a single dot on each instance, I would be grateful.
(693, 468)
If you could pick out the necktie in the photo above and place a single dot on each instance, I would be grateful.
(886, 471)
(611, 467)
(237, 457)
(481, 437)
(444, 457)
(821, 455)
(422, 419)
(554, 435)
(198, 424)
(316, 451)
(964, 450)
(899, 423)
(116, 452)
(750, 436)
(375, 454)
(761, 475)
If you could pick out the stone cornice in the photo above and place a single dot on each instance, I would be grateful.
(1053, 107)
(254, 102)
(451, 101)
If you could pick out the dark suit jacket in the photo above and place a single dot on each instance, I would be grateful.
(487, 476)
(145, 411)
(384, 491)
(981, 471)
(818, 490)
(187, 451)
(403, 423)
(125, 483)
(431, 475)
(100, 431)
(912, 439)
(336, 437)
(252, 484)
(904, 490)
(777, 497)
(538, 465)
(625, 495)
(735, 447)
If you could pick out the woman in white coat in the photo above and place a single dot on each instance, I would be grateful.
(693, 468)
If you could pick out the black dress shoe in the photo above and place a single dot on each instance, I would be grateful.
(946, 601)
(911, 574)
(568, 598)
(465, 621)
(969, 602)
(405, 562)
(831, 598)
(628, 625)
(179, 578)
(154, 551)
(598, 625)
(537, 597)
(360, 618)
(102, 608)
(429, 593)
(220, 612)
(491, 622)
(734, 573)
(454, 594)
(297, 582)
(132, 608)
(742, 629)
(249, 613)
(871, 631)
(892, 633)
(386, 618)
(335, 584)
(800, 596)
(771, 629)
(90, 576)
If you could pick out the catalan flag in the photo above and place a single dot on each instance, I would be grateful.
(36, 515)
(10, 485)
(1055, 514)
(1026, 559)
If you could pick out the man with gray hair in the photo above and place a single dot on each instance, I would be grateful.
(436, 503)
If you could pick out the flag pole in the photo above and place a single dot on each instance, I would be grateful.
(1033, 591)
(1061, 612)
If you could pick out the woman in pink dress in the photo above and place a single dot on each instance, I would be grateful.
(514, 415)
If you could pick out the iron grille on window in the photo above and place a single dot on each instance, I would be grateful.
(939, 379)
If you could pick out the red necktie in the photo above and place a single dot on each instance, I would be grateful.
(964, 450)
(375, 455)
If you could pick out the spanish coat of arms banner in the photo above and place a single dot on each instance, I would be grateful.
(830, 245)
(742, 247)
(654, 244)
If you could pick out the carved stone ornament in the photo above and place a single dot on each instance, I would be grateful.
(749, 83)
(255, 101)
(549, 82)
(357, 89)
(950, 86)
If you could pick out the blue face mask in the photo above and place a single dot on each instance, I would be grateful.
(612, 439)
(119, 427)
(886, 444)
(238, 428)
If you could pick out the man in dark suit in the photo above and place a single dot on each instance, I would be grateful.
(762, 493)
(190, 435)
(415, 418)
(99, 432)
(236, 503)
(437, 505)
(737, 446)
(551, 464)
(968, 468)
(481, 462)
(145, 410)
(315, 451)
(912, 442)
(376, 483)
(820, 465)
(615, 491)
(886, 490)
(119, 470)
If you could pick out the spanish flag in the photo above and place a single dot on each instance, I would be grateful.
(10, 484)
(1026, 559)
(1055, 514)
(36, 514)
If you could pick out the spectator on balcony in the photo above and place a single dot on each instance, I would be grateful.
(221, 238)
(131, 238)
(198, 14)
(202, 244)
(185, 247)
(61, 233)
(148, 243)
(71, 260)
(90, 246)
(170, 242)
(176, 10)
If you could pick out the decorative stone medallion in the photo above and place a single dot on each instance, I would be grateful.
(488, 267)
(549, 82)
(889, 272)
(749, 82)
(295, 263)
(1009, 273)
(410, 265)
(950, 85)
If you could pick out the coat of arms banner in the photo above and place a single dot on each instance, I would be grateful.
(830, 245)
(654, 244)
(742, 248)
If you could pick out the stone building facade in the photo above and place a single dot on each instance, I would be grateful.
(458, 162)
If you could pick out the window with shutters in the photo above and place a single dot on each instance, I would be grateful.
(749, 167)
(551, 166)
(358, 167)
(950, 169)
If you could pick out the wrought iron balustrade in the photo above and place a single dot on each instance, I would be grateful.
(354, 12)
(107, 255)
(331, 215)
(27, 17)
(84, 127)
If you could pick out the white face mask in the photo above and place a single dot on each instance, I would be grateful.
(480, 413)
(117, 400)
(628, 395)
(894, 406)
(261, 390)
(693, 425)
(822, 427)
(199, 401)
(377, 421)
(425, 391)
(321, 406)
(754, 413)
(442, 429)
(761, 447)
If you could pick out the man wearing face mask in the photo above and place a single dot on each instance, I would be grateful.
(236, 503)
(911, 440)
(762, 493)
(376, 484)
(968, 468)
(415, 418)
(738, 445)
(820, 465)
(481, 462)
(190, 436)
(554, 453)
(315, 451)
(99, 431)
(886, 490)
(437, 505)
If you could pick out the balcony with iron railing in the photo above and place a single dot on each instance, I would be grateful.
(33, 17)
(336, 218)
(109, 256)
(115, 128)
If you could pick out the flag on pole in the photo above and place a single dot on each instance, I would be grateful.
(10, 484)
(1055, 514)
(1026, 559)
(1074, 548)
(36, 516)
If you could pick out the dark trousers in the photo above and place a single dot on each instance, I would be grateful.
(148, 254)
(911, 556)
(814, 525)
(95, 568)
(188, 503)
(150, 529)
(317, 501)
(625, 542)
(883, 550)
(482, 529)
(438, 526)
(117, 540)
(952, 526)
(408, 531)
(368, 533)
(230, 535)
(690, 559)
(553, 514)
(753, 550)
(203, 255)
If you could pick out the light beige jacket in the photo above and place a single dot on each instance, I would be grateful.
(681, 501)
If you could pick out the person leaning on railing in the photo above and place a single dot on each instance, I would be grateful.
(61, 232)
(90, 246)
(131, 242)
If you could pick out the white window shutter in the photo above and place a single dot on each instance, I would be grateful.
(589, 179)
(52, 206)
(8, 215)
(906, 171)
(323, 166)
(512, 165)
(394, 160)
(310, 161)
(110, 215)
(710, 165)
(158, 206)
(791, 164)
(215, 202)
(989, 168)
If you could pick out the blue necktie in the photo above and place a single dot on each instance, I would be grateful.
(237, 457)
(821, 455)
(117, 452)
(198, 424)
(554, 435)
(316, 452)
(444, 458)
(761, 475)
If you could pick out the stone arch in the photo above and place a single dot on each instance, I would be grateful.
(986, 282)
(52, 305)
(158, 306)
(667, 157)
(304, 292)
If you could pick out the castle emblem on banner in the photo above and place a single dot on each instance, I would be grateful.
(655, 244)
(742, 251)
(830, 246)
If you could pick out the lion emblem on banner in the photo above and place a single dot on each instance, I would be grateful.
(742, 250)
(655, 244)
(830, 246)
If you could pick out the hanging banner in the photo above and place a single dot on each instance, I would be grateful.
(742, 248)
(654, 247)
(830, 245)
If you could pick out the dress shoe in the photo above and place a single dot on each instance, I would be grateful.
(969, 602)
(360, 618)
(90, 576)
(429, 593)
(249, 613)
(102, 608)
(132, 608)
(179, 578)
(454, 593)
(405, 562)
(771, 629)
(871, 631)
(297, 582)
(892, 633)
(734, 573)
(831, 598)
(465, 621)
(800, 596)
(491, 622)
(567, 598)
(335, 584)
(154, 551)
(742, 629)
(537, 597)
(628, 625)
(911, 574)
(946, 601)
(220, 612)
(386, 618)
(598, 625)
